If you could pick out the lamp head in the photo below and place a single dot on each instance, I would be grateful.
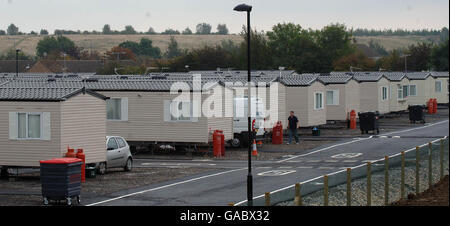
(243, 8)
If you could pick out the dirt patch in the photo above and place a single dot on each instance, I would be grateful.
(437, 195)
(26, 190)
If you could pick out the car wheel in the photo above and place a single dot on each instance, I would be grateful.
(236, 142)
(101, 168)
(128, 165)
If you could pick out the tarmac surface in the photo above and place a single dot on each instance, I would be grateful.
(228, 182)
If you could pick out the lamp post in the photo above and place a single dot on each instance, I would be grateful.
(248, 9)
(17, 62)
(406, 65)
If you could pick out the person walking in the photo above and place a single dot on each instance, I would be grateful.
(292, 127)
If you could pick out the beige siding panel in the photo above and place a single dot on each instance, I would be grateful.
(383, 106)
(29, 152)
(337, 112)
(369, 93)
(352, 96)
(316, 117)
(83, 125)
(422, 90)
(442, 97)
(146, 120)
(301, 101)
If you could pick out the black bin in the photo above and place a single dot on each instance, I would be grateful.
(368, 121)
(61, 179)
(416, 113)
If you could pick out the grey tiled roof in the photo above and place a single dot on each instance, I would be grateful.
(36, 94)
(440, 74)
(418, 75)
(367, 76)
(335, 79)
(394, 76)
(299, 80)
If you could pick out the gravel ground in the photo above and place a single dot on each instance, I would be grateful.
(26, 190)
(338, 195)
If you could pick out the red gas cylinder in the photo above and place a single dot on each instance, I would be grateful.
(217, 143)
(222, 146)
(434, 106)
(430, 106)
(82, 156)
(277, 133)
(71, 153)
(353, 119)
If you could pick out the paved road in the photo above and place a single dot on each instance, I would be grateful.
(228, 183)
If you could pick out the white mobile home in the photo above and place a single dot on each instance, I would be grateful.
(422, 87)
(441, 86)
(399, 91)
(305, 95)
(40, 123)
(341, 96)
(374, 92)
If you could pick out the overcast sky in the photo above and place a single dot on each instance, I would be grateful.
(91, 15)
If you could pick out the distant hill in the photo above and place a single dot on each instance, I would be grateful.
(102, 43)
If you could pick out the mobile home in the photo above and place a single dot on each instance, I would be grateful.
(374, 92)
(399, 91)
(40, 123)
(341, 96)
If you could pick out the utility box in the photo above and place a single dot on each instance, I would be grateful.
(61, 179)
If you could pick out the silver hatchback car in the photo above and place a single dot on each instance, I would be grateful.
(118, 155)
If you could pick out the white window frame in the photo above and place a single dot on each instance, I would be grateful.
(335, 97)
(123, 109)
(382, 93)
(440, 85)
(26, 125)
(415, 88)
(315, 101)
(181, 120)
(400, 89)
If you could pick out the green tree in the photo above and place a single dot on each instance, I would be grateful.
(334, 42)
(151, 31)
(51, 46)
(2, 32)
(187, 31)
(439, 57)
(170, 31)
(12, 30)
(261, 57)
(294, 47)
(392, 62)
(106, 29)
(356, 59)
(143, 48)
(203, 29)
(11, 55)
(129, 30)
(173, 50)
(43, 32)
(420, 56)
(222, 29)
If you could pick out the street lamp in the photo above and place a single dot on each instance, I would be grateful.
(17, 62)
(248, 9)
(406, 66)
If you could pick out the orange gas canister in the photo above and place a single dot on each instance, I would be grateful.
(217, 143)
(353, 119)
(80, 155)
(430, 106)
(277, 133)
(434, 106)
(70, 153)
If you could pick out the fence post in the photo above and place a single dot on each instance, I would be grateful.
(369, 184)
(386, 180)
(349, 186)
(417, 171)
(325, 190)
(298, 196)
(402, 177)
(231, 204)
(441, 159)
(430, 165)
(267, 197)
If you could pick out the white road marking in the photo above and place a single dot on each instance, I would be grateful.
(350, 161)
(165, 186)
(331, 160)
(325, 167)
(285, 167)
(304, 167)
(313, 161)
(295, 161)
(274, 173)
(346, 155)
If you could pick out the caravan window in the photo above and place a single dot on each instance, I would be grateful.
(438, 86)
(333, 97)
(114, 109)
(412, 90)
(384, 93)
(318, 101)
(29, 125)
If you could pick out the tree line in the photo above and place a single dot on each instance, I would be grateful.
(331, 48)
(201, 28)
